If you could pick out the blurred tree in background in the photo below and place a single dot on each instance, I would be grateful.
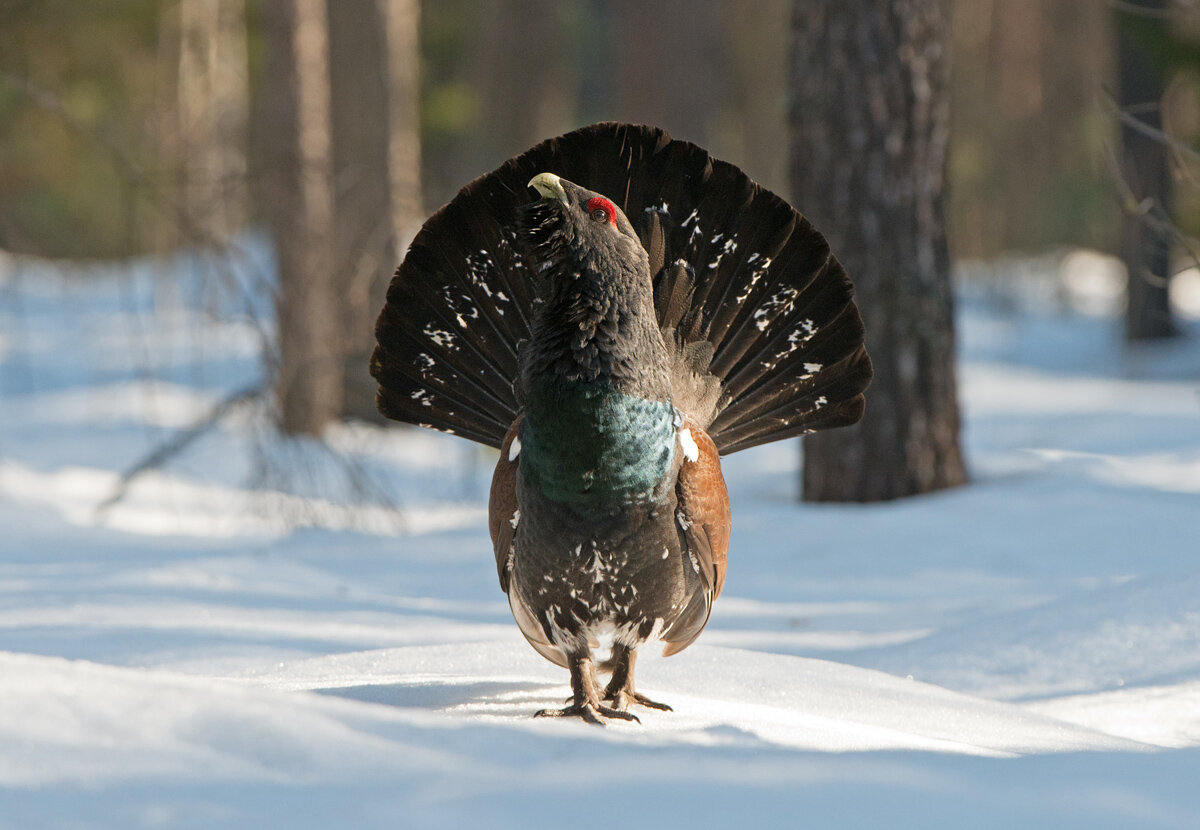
(1148, 52)
(1028, 166)
(870, 122)
(376, 170)
(206, 142)
(297, 199)
(1030, 153)
(145, 125)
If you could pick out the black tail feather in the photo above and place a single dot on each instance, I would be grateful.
(733, 265)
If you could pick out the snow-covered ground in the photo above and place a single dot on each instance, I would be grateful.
(252, 636)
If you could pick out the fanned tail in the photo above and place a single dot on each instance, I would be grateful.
(738, 268)
(767, 340)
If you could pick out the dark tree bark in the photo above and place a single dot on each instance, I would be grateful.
(376, 176)
(524, 75)
(298, 202)
(1145, 170)
(869, 118)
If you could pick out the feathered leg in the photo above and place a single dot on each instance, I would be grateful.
(585, 700)
(620, 689)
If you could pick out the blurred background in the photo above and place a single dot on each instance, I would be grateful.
(274, 141)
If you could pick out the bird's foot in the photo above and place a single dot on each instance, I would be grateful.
(590, 713)
(622, 699)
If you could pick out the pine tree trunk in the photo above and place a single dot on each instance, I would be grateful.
(299, 206)
(1145, 235)
(212, 108)
(524, 75)
(401, 23)
(752, 127)
(376, 158)
(869, 118)
(668, 65)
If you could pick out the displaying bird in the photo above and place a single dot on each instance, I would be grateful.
(613, 310)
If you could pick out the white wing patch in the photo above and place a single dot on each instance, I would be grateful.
(690, 451)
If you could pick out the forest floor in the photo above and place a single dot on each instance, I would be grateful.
(270, 633)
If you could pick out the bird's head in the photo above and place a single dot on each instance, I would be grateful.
(571, 229)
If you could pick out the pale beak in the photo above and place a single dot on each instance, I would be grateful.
(549, 186)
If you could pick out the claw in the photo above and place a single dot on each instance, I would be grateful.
(585, 703)
(589, 712)
(620, 691)
(622, 699)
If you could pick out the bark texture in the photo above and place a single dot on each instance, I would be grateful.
(869, 119)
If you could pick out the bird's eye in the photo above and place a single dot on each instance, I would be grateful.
(601, 210)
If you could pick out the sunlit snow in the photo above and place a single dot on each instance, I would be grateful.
(269, 633)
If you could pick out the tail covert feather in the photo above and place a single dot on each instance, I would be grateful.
(735, 267)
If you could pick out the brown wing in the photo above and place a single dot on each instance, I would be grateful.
(503, 517)
(705, 519)
(502, 503)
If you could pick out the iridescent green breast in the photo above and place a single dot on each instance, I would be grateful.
(585, 443)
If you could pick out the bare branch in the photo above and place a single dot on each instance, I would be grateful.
(179, 441)
(1176, 8)
(1129, 119)
(174, 210)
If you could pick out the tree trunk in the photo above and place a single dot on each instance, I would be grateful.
(668, 64)
(376, 175)
(752, 128)
(525, 77)
(401, 22)
(212, 107)
(869, 118)
(299, 207)
(1145, 230)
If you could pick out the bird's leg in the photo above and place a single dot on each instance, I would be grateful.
(620, 691)
(585, 700)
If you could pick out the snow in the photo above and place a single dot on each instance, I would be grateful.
(269, 633)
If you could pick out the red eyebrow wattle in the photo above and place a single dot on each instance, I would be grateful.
(603, 204)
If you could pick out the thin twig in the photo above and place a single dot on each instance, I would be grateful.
(172, 208)
(1144, 11)
(1126, 117)
(180, 441)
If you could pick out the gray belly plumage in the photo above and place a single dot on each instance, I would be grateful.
(580, 575)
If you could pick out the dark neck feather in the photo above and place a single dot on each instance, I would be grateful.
(601, 327)
(599, 424)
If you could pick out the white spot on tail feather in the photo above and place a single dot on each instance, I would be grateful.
(514, 449)
(443, 338)
(780, 303)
